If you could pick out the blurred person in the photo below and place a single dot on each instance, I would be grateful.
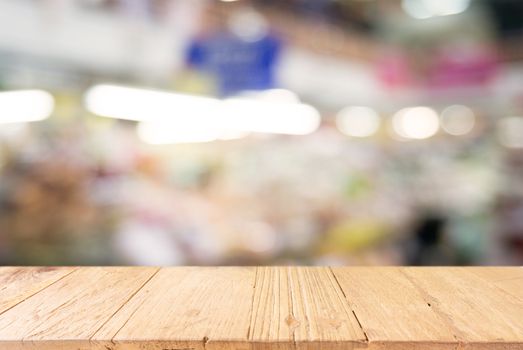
(427, 245)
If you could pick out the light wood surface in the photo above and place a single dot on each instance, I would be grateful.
(18, 284)
(244, 308)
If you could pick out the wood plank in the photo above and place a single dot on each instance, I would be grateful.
(20, 283)
(392, 311)
(301, 307)
(482, 315)
(66, 314)
(186, 308)
(322, 310)
(509, 279)
(272, 323)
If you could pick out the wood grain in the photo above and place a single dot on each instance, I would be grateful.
(322, 311)
(392, 311)
(508, 279)
(69, 312)
(187, 308)
(263, 308)
(19, 283)
(301, 307)
(478, 312)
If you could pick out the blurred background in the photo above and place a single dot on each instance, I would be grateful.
(312, 132)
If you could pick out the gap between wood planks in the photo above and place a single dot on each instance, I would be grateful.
(73, 269)
(128, 299)
(252, 305)
(291, 310)
(347, 300)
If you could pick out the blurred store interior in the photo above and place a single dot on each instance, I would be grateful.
(249, 132)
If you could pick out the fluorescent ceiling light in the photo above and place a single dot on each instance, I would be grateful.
(273, 111)
(162, 133)
(268, 117)
(423, 9)
(270, 95)
(145, 105)
(25, 106)
(184, 130)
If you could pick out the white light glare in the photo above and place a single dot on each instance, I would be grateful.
(163, 133)
(271, 95)
(423, 9)
(266, 117)
(457, 120)
(416, 122)
(145, 105)
(25, 106)
(358, 121)
(185, 130)
(510, 132)
(189, 118)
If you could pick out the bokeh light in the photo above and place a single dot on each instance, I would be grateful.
(510, 131)
(416, 122)
(358, 121)
(458, 120)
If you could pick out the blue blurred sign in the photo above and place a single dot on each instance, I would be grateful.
(237, 64)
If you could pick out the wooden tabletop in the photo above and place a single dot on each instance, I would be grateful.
(220, 308)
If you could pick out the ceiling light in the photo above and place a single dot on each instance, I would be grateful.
(267, 117)
(146, 105)
(277, 111)
(423, 9)
(25, 106)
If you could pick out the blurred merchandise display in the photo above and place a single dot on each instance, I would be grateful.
(261, 132)
(305, 199)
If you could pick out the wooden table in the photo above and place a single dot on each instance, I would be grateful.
(130, 308)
